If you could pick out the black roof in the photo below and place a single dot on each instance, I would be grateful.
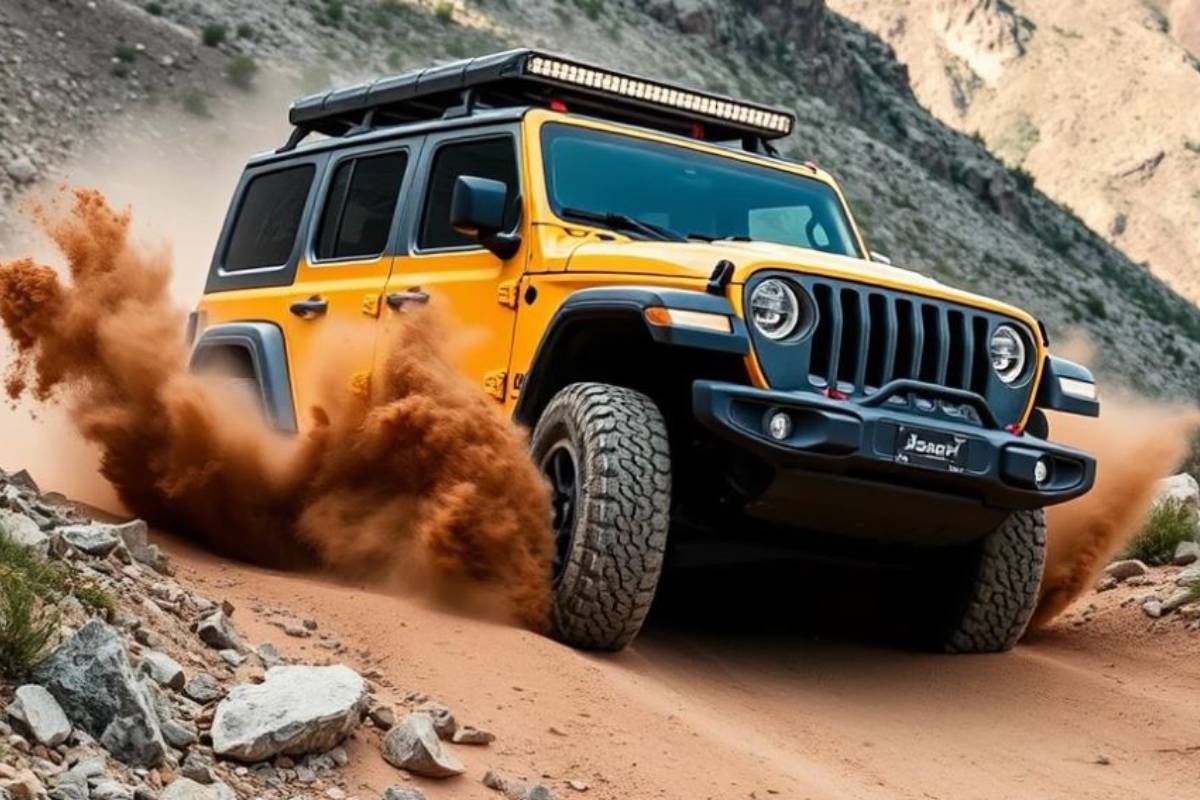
(531, 78)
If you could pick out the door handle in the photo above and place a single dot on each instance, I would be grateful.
(397, 300)
(312, 307)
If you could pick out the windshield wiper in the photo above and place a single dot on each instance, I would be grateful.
(704, 237)
(625, 222)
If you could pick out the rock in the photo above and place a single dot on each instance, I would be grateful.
(90, 767)
(232, 657)
(91, 678)
(22, 170)
(413, 744)
(216, 631)
(96, 539)
(1186, 553)
(204, 688)
(24, 531)
(1128, 568)
(403, 793)
(179, 735)
(1107, 583)
(136, 537)
(443, 719)
(70, 785)
(334, 793)
(111, 790)
(23, 785)
(1182, 488)
(516, 790)
(164, 670)
(538, 791)
(1180, 597)
(22, 480)
(40, 715)
(295, 710)
(269, 655)
(1188, 575)
(578, 786)
(187, 789)
(197, 767)
(468, 734)
(1153, 608)
(383, 717)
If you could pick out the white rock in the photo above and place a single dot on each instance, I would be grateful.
(1182, 487)
(187, 789)
(36, 710)
(1188, 575)
(1153, 608)
(165, 670)
(24, 531)
(413, 744)
(295, 710)
(1186, 553)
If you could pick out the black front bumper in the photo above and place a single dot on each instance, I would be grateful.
(839, 466)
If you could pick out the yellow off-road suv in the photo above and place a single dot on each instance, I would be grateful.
(692, 327)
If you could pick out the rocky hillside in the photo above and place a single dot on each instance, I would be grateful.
(932, 198)
(1084, 97)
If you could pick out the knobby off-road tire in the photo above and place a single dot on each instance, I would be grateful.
(610, 551)
(1003, 595)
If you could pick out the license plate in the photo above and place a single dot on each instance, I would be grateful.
(931, 449)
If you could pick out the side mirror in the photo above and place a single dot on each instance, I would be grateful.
(881, 258)
(477, 207)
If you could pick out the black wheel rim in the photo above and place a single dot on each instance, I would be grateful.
(559, 467)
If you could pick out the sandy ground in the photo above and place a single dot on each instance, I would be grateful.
(1097, 709)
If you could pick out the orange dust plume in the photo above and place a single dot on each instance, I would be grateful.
(1136, 443)
(416, 477)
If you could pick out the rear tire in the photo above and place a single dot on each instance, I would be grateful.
(1001, 598)
(604, 449)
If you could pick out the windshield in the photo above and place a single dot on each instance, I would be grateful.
(689, 193)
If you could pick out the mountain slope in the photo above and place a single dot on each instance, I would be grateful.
(1090, 98)
(932, 198)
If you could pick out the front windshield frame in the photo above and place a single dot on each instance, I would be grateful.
(835, 204)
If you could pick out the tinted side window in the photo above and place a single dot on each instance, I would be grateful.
(360, 206)
(266, 225)
(488, 158)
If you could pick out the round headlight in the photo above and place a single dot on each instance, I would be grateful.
(774, 309)
(1008, 353)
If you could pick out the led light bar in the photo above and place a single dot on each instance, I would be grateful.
(603, 81)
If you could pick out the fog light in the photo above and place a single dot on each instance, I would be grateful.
(779, 426)
(1041, 471)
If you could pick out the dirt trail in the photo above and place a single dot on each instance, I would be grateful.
(713, 714)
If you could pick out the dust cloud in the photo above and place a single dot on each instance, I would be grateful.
(1136, 443)
(415, 477)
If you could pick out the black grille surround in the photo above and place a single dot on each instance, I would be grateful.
(859, 337)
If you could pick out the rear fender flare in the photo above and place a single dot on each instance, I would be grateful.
(264, 343)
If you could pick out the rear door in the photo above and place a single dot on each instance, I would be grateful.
(475, 288)
(333, 308)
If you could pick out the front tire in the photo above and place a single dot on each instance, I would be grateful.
(1002, 596)
(604, 450)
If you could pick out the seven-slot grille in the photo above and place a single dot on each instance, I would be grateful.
(865, 338)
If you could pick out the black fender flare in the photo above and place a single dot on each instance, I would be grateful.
(626, 303)
(1059, 373)
(264, 343)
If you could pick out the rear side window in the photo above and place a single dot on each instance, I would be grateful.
(269, 218)
(486, 158)
(360, 206)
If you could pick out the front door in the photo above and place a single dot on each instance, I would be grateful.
(474, 288)
(335, 303)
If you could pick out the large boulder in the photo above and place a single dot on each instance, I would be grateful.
(96, 685)
(413, 744)
(1182, 488)
(95, 539)
(24, 531)
(295, 710)
(37, 712)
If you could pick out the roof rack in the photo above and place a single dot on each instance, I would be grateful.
(527, 77)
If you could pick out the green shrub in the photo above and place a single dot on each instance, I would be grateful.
(154, 9)
(94, 597)
(245, 31)
(43, 578)
(125, 54)
(213, 34)
(195, 103)
(444, 12)
(1170, 522)
(27, 626)
(241, 71)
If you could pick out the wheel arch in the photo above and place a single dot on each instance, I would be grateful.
(259, 350)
